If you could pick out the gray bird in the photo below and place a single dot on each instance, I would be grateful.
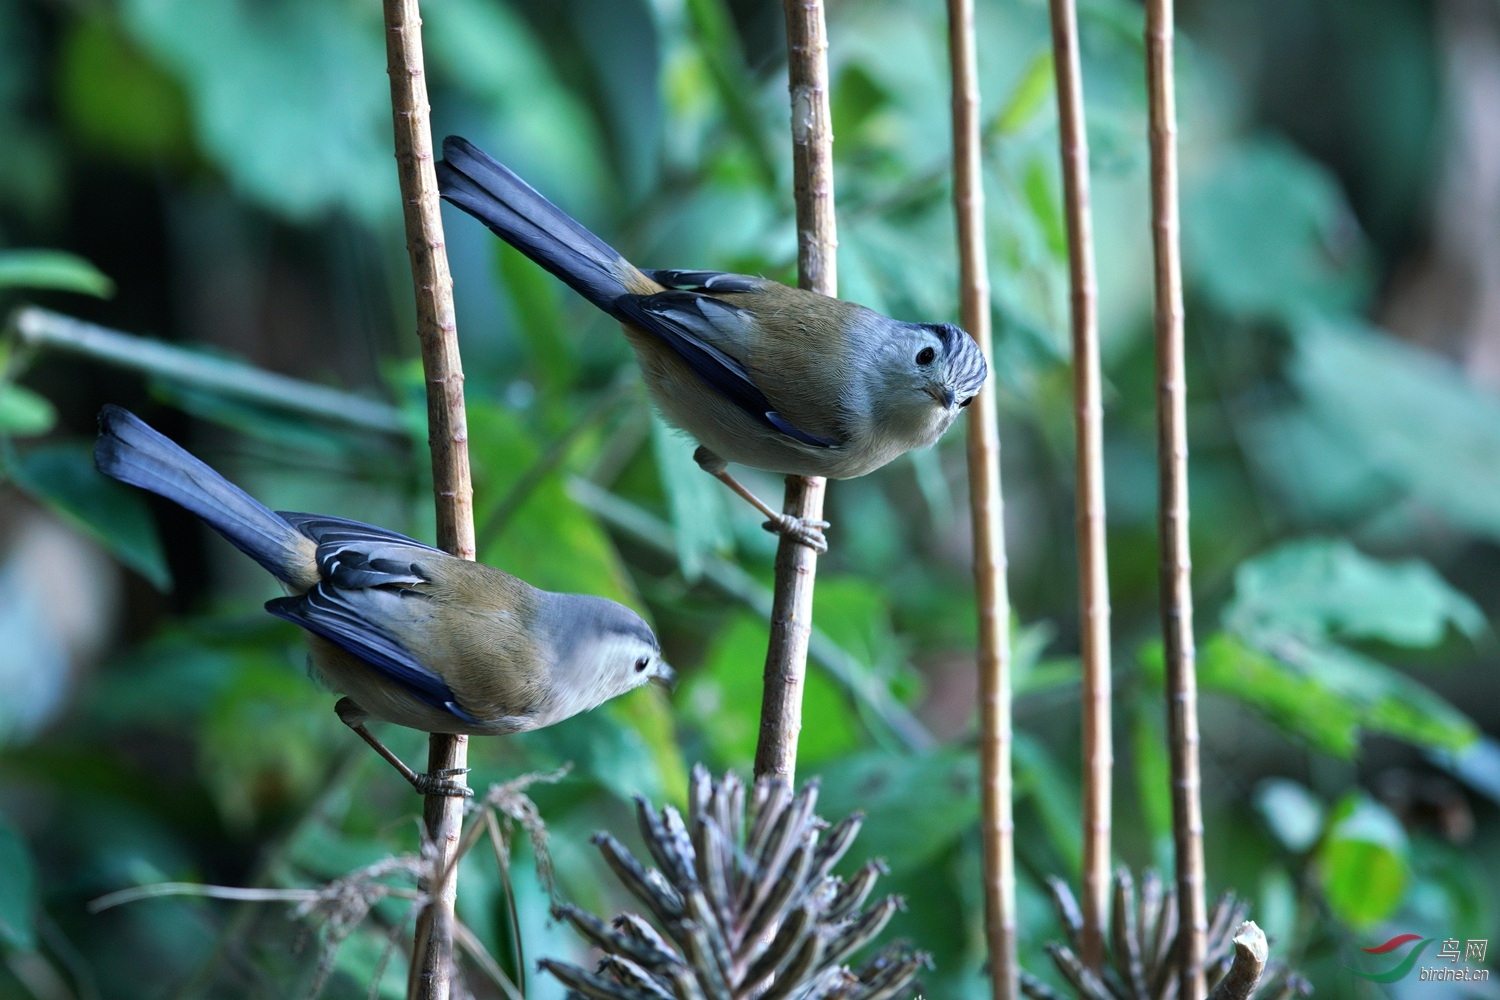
(410, 634)
(762, 374)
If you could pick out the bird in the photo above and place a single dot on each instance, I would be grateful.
(408, 633)
(759, 373)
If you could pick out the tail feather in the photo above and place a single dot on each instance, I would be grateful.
(488, 190)
(129, 450)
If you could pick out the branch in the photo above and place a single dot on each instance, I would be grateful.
(1093, 570)
(817, 270)
(448, 439)
(46, 330)
(986, 506)
(1176, 562)
(1249, 962)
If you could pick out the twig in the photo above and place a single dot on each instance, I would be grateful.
(1093, 570)
(43, 329)
(1249, 962)
(730, 580)
(448, 439)
(1176, 563)
(986, 507)
(817, 270)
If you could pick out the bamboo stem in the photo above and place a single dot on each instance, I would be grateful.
(1088, 420)
(448, 438)
(817, 270)
(997, 824)
(1176, 562)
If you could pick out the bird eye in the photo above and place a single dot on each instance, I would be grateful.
(925, 356)
(642, 663)
(966, 402)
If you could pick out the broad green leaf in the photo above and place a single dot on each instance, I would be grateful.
(1055, 794)
(53, 269)
(916, 806)
(18, 900)
(578, 556)
(695, 499)
(64, 478)
(602, 749)
(249, 66)
(536, 297)
(23, 413)
(1328, 588)
(1292, 812)
(536, 120)
(1327, 694)
(1267, 233)
(1031, 96)
(1411, 416)
(1153, 770)
(1362, 865)
(118, 100)
(725, 698)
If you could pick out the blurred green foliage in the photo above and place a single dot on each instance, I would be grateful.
(224, 168)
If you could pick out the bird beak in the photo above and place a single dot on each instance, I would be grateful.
(948, 397)
(665, 676)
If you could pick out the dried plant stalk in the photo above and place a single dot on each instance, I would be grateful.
(448, 439)
(817, 270)
(986, 507)
(1140, 960)
(1088, 421)
(1176, 562)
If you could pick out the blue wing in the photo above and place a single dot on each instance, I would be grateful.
(354, 557)
(689, 323)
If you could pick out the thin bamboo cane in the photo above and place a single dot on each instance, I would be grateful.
(817, 269)
(1176, 563)
(986, 506)
(1088, 416)
(448, 439)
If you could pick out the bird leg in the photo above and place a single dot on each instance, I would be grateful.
(799, 529)
(351, 715)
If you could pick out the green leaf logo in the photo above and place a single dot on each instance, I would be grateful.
(1404, 967)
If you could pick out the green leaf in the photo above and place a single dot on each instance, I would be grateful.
(1293, 812)
(695, 499)
(1412, 417)
(23, 413)
(1327, 588)
(17, 890)
(916, 807)
(1031, 96)
(1362, 865)
(53, 269)
(725, 696)
(1327, 694)
(118, 100)
(64, 478)
(248, 67)
(536, 297)
(1267, 233)
(1296, 704)
(578, 556)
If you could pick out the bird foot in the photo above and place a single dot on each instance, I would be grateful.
(438, 783)
(800, 529)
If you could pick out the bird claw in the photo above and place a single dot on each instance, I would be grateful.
(438, 783)
(800, 529)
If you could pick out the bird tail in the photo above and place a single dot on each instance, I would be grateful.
(129, 450)
(488, 190)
